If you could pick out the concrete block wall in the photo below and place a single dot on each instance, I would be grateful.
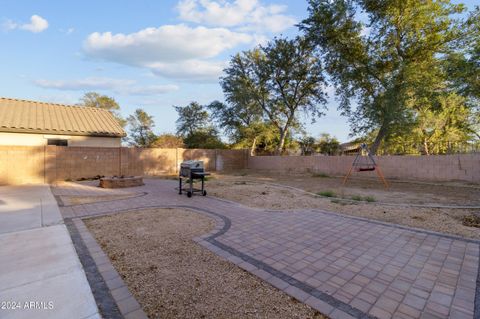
(46, 164)
(22, 164)
(38, 164)
(72, 163)
(439, 168)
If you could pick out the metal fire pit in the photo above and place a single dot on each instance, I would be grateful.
(192, 170)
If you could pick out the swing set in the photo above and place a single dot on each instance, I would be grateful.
(364, 162)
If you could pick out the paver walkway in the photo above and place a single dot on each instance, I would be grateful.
(40, 273)
(345, 267)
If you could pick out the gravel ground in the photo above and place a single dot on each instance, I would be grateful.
(448, 193)
(174, 277)
(271, 197)
(78, 200)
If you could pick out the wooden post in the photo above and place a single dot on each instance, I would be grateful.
(380, 174)
(348, 174)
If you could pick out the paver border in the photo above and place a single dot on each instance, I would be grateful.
(112, 296)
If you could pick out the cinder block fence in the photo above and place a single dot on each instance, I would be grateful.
(438, 168)
(46, 164)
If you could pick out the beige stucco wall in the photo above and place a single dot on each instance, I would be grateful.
(25, 139)
(439, 168)
(37, 164)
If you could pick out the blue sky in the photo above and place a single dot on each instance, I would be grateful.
(147, 54)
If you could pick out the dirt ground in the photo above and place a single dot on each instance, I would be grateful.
(452, 193)
(79, 200)
(173, 277)
(250, 189)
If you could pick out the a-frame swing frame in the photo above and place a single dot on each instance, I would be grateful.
(360, 167)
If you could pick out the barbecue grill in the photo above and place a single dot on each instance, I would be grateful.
(192, 170)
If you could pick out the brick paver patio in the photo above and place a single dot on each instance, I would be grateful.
(345, 267)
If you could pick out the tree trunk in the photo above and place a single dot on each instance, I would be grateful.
(283, 135)
(425, 146)
(378, 139)
(253, 147)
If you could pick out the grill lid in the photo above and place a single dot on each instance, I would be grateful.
(192, 164)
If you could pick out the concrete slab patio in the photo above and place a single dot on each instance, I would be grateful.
(27, 207)
(40, 273)
(345, 267)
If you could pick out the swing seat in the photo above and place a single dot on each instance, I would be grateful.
(365, 163)
(366, 169)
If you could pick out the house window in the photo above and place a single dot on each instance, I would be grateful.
(57, 142)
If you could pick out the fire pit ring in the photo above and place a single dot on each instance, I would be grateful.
(121, 181)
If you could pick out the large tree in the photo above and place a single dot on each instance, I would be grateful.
(94, 99)
(390, 65)
(463, 62)
(196, 128)
(241, 119)
(440, 130)
(167, 140)
(280, 80)
(191, 118)
(328, 145)
(463, 67)
(141, 125)
(204, 138)
(306, 144)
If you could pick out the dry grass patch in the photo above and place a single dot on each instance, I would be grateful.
(174, 277)
(471, 221)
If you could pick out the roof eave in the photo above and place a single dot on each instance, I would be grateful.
(57, 132)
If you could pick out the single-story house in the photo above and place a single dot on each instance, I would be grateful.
(30, 123)
(350, 148)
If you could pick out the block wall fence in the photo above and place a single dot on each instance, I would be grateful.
(46, 164)
(437, 168)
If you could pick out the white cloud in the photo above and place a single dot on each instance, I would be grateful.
(120, 86)
(90, 83)
(60, 98)
(152, 89)
(192, 70)
(9, 25)
(249, 15)
(189, 52)
(168, 43)
(175, 51)
(67, 31)
(37, 24)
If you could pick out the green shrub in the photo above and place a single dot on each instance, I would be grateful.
(363, 199)
(327, 193)
(322, 175)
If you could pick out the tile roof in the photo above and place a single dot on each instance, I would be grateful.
(38, 117)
